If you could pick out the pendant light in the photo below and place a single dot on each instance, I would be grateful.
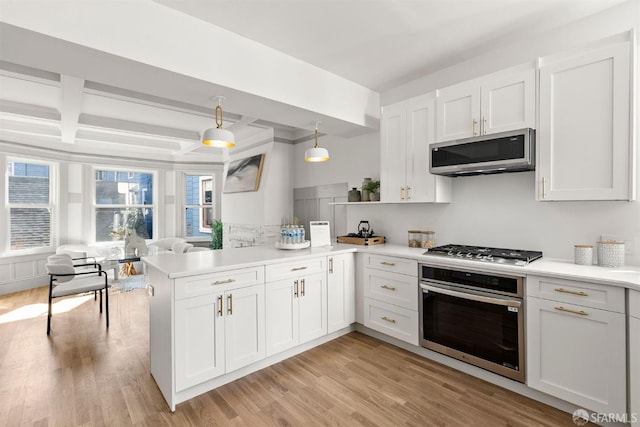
(218, 137)
(316, 154)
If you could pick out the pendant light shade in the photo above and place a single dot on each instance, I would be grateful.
(218, 137)
(316, 154)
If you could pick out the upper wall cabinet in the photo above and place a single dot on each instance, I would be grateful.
(584, 139)
(500, 102)
(407, 129)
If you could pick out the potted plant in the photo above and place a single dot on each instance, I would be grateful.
(373, 187)
(216, 234)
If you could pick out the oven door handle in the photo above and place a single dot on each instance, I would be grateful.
(480, 298)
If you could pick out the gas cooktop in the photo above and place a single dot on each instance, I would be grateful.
(479, 253)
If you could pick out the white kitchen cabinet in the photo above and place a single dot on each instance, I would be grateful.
(296, 306)
(397, 322)
(584, 137)
(244, 328)
(341, 304)
(199, 341)
(202, 327)
(391, 296)
(574, 351)
(634, 356)
(218, 333)
(406, 131)
(497, 103)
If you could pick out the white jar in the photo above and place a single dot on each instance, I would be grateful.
(611, 254)
(583, 254)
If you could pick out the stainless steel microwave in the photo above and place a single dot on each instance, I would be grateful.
(512, 151)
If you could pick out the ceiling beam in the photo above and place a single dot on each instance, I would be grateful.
(244, 120)
(70, 105)
(93, 121)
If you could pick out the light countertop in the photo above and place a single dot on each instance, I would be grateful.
(194, 263)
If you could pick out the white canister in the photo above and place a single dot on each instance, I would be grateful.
(611, 254)
(583, 254)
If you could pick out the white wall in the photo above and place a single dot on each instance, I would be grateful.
(496, 210)
(274, 198)
(524, 49)
(351, 160)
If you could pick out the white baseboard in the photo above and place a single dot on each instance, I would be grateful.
(23, 285)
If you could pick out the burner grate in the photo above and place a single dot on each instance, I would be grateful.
(487, 254)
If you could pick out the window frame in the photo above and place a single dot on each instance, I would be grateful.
(52, 206)
(95, 206)
(181, 199)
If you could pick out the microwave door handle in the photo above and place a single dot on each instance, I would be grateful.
(473, 297)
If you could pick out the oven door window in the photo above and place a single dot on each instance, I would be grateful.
(488, 331)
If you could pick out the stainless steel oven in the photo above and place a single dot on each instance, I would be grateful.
(474, 317)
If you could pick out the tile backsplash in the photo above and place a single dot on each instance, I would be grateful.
(243, 235)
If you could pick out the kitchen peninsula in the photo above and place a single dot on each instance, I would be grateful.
(220, 315)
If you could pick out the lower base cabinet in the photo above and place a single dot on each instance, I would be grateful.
(634, 357)
(577, 352)
(296, 311)
(219, 333)
(341, 292)
(391, 297)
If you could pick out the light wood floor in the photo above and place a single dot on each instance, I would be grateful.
(83, 375)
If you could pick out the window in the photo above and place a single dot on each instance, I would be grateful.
(124, 202)
(199, 208)
(29, 204)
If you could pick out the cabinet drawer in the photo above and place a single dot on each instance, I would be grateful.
(603, 297)
(396, 265)
(392, 288)
(391, 320)
(206, 284)
(291, 269)
(634, 303)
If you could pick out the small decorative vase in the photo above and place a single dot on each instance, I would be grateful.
(354, 195)
(374, 197)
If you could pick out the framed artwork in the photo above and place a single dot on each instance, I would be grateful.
(244, 174)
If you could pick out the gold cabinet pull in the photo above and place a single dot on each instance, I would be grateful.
(401, 193)
(408, 193)
(484, 125)
(331, 265)
(220, 305)
(568, 310)
(230, 304)
(390, 264)
(302, 288)
(391, 288)
(543, 192)
(298, 268)
(295, 289)
(222, 282)
(473, 126)
(567, 291)
(386, 319)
